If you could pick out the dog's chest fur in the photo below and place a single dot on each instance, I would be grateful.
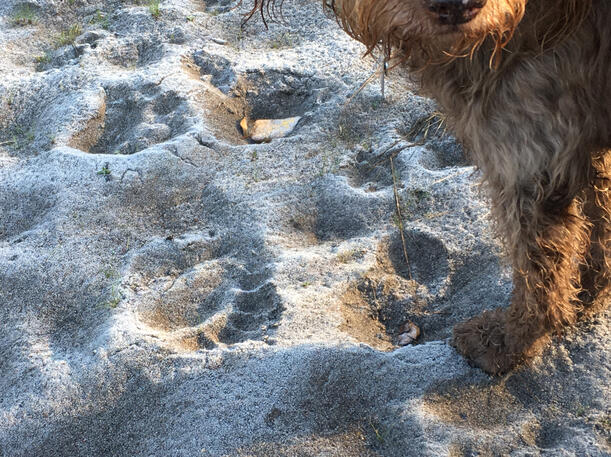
(536, 106)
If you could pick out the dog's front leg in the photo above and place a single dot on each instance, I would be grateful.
(596, 272)
(547, 236)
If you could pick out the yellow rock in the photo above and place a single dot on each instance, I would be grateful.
(263, 130)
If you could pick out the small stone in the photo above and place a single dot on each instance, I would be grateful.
(409, 333)
(264, 130)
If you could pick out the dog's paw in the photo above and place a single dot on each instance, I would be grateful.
(482, 341)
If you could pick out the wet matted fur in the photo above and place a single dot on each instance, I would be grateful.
(526, 86)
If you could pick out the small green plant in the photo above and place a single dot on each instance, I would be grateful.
(22, 137)
(285, 40)
(190, 18)
(43, 59)
(237, 39)
(348, 255)
(25, 15)
(115, 297)
(101, 19)
(110, 273)
(366, 145)
(68, 36)
(255, 174)
(375, 104)
(29, 136)
(105, 170)
(329, 163)
(417, 200)
(154, 8)
(379, 433)
(580, 410)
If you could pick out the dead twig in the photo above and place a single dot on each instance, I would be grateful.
(383, 63)
(450, 176)
(381, 69)
(399, 217)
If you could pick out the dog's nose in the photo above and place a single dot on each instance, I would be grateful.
(454, 12)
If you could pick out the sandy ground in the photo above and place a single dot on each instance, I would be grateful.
(169, 288)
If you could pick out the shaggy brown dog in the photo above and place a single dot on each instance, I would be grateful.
(526, 86)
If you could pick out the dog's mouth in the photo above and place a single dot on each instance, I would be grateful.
(455, 12)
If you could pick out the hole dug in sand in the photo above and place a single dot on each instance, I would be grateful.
(184, 312)
(376, 307)
(132, 118)
(188, 304)
(260, 95)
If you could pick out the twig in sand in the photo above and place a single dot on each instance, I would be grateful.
(423, 125)
(380, 68)
(453, 175)
(383, 63)
(399, 217)
(6, 143)
(393, 152)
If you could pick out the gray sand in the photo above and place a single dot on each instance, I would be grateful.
(169, 289)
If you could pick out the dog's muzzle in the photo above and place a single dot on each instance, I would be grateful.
(454, 12)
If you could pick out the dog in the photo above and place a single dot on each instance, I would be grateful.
(526, 87)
